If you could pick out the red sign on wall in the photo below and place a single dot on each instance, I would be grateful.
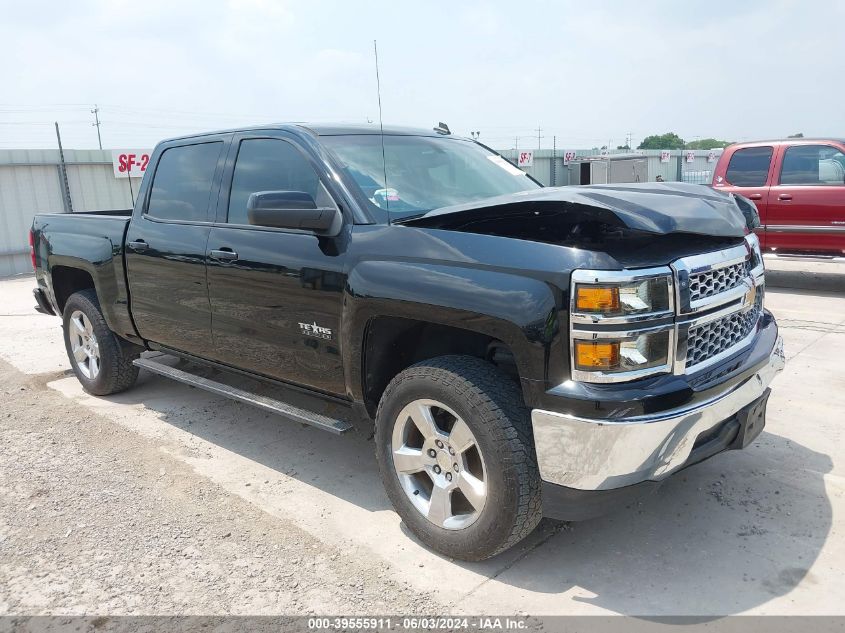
(526, 159)
(130, 162)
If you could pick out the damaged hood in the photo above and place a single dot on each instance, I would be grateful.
(659, 208)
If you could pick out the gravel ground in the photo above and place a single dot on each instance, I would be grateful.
(97, 520)
(235, 511)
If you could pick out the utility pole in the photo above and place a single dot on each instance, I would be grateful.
(539, 129)
(554, 161)
(63, 171)
(96, 124)
(629, 139)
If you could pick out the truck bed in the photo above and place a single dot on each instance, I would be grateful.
(115, 212)
(107, 212)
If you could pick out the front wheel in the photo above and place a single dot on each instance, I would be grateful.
(100, 359)
(456, 456)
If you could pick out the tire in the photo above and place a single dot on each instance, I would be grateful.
(502, 457)
(87, 336)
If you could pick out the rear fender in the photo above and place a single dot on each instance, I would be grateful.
(104, 263)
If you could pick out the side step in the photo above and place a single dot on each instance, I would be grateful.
(262, 402)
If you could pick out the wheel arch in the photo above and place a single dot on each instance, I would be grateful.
(67, 280)
(398, 313)
(392, 344)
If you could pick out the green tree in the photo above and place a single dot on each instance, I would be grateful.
(670, 140)
(623, 147)
(707, 143)
(799, 135)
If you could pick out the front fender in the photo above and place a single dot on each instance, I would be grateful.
(521, 312)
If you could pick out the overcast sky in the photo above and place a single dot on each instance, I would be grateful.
(585, 72)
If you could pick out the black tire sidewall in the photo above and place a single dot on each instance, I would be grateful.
(494, 526)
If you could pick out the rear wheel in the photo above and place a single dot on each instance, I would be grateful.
(456, 456)
(100, 359)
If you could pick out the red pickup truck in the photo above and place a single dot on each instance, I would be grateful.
(798, 186)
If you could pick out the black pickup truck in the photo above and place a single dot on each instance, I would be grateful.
(523, 351)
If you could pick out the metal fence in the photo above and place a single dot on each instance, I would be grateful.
(31, 182)
(549, 167)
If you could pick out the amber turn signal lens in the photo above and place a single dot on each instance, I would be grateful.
(592, 355)
(597, 299)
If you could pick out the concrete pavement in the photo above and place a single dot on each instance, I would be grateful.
(756, 531)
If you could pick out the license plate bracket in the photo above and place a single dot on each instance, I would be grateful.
(752, 420)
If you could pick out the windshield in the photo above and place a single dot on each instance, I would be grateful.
(423, 173)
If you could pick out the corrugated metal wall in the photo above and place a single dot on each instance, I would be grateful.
(699, 171)
(30, 183)
(93, 187)
(24, 190)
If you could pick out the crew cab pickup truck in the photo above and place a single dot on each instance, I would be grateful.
(798, 185)
(522, 351)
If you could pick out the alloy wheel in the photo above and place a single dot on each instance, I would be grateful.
(439, 464)
(84, 346)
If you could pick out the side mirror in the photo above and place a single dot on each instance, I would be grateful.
(292, 210)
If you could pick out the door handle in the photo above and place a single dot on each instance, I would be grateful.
(755, 196)
(223, 255)
(785, 196)
(139, 246)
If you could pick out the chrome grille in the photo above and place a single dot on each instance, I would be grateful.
(713, 282)
(710, 339)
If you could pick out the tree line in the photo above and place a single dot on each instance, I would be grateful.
(670, 140)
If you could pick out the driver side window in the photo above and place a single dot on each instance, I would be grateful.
(268, 164)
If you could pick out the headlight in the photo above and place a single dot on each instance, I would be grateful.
(602, 351)
(597, 296)
(635, 352)
(756, 254)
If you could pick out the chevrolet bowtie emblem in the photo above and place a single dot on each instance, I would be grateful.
(750, 296)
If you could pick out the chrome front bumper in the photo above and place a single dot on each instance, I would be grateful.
(603, 454)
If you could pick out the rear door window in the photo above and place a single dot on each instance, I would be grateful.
(182, 184)
(813, 165)
(749, 167)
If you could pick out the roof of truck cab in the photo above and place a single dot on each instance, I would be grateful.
(322, 129)
(788, 141)
(338, 129)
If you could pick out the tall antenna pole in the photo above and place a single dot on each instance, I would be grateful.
(381, 129)
(96, 124)
(63, 169)
(131, 192)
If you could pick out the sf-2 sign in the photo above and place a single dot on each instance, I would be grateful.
(130, 162)
(526, 159)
